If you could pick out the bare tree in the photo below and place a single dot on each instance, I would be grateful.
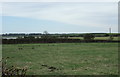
(45, 32)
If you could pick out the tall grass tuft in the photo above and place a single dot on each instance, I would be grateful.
(10, 71)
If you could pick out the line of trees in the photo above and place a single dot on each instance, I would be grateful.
(25, 41)
(48, 38)
(64, 35)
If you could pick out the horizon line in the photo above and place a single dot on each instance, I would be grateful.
(53, 32)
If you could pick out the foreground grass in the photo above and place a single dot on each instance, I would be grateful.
(66, 58)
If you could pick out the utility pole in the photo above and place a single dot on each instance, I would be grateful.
(110, 30)
(111, 37)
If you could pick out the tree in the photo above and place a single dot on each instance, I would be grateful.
(111, 37)
(89, 37)
(45, 35)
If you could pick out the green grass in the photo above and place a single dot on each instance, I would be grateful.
(68, 58)
(106, 38)
(96, 38)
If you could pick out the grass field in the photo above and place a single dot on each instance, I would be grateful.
(65, 58)
(96, 38)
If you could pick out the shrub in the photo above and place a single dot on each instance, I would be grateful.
(111, 38)
(89, 37)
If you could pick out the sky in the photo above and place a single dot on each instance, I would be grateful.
(59, 17)
(59, 0)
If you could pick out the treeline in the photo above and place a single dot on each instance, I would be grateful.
(63, 35)
(49, 38)
(56, 40)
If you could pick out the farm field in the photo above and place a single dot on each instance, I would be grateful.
(96, 38)
(64, 58)
(105, 38)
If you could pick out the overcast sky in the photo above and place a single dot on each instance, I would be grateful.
(57, 17)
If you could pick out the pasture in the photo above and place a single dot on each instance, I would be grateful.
(64, 58)
(97, 38)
